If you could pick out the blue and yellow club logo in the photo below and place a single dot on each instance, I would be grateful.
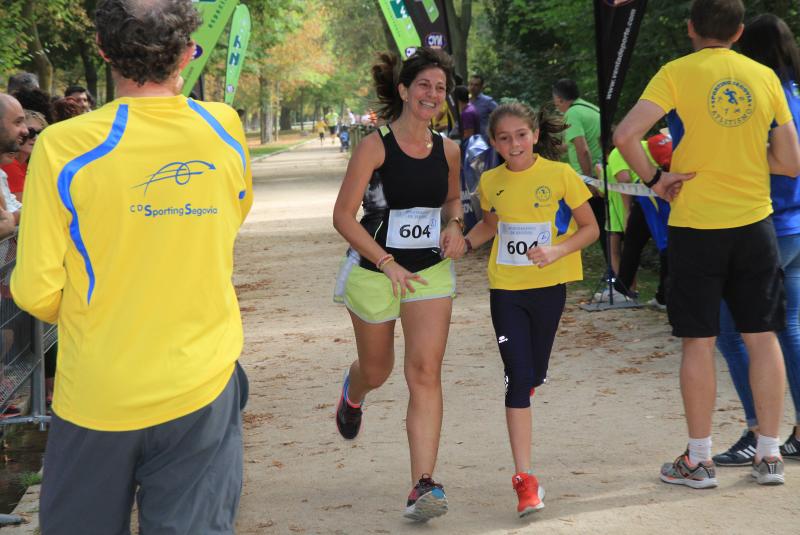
(543, 193)
(730, 103)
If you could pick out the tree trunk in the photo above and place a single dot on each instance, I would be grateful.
(302, 122)
(41, 63)
(276, 119)
(459, 30)
(109, 83)
(89, 68)
(286, 118)
(265, 109)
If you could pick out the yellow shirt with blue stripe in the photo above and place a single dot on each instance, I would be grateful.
(546, 192)
(131, 213)
(720, 106)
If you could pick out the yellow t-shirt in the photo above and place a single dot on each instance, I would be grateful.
(131, 213)
(720, 107)
(540, 198)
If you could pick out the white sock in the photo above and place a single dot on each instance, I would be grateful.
(767, 447)
(699, 450)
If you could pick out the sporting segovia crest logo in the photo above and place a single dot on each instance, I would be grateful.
(730, 103)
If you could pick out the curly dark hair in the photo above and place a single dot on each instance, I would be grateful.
(389, 71)
(66, 108)
(144, 39)
(37, 100)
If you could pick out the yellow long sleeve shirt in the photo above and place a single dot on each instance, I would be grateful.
(131, 213)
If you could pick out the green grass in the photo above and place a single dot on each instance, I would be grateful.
(261, 151)
(28, 479)
(594, 267)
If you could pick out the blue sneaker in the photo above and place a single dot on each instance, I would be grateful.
(348, 418)
(427, 500)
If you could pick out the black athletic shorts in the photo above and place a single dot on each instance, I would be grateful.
(739, 265)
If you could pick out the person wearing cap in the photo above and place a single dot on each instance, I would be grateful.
(721, 107)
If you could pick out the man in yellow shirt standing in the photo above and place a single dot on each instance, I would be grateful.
(132, 211)
(720, 106)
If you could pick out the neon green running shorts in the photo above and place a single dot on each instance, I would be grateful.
(368, 294)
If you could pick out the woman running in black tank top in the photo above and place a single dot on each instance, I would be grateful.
(403, 182)
(400, 258)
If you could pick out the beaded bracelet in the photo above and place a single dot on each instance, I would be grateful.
(388, 261)
(468, 243)
(383, 260)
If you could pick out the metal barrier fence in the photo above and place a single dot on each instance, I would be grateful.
(23, 343)
(357, 133)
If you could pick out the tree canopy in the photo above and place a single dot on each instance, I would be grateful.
(306, 55)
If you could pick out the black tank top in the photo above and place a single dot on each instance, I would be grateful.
(404, 182)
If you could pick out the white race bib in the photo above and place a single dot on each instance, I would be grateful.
(516, 239)
(414, 228)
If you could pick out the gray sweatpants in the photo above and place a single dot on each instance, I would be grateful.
(186, 474)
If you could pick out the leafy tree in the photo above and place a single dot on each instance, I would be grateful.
(532, 43)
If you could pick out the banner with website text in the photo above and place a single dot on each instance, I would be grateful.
(616, 28)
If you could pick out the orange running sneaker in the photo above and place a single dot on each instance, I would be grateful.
(529, 492)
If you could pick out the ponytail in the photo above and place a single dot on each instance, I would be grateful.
(386, 75)
(549, 140)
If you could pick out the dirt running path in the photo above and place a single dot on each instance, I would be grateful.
(609, 417)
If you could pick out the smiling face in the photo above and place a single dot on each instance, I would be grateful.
(35, 128)
(514, 140)
(424, 97)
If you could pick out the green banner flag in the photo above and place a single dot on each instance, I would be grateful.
(215, 15)
(237, 48)
(402, 27)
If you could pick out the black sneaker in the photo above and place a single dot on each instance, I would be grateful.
(740, 454)
(348, 419)
(426, 500)
(791, 448)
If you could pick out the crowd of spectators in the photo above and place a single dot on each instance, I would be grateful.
(25, 111)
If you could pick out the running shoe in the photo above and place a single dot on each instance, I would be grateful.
(653, 303)
(427, 500)
(680, 472)
(791, 448)
(529, 493)
(619, 297)
(348, 418)
(740, 454)
(768, 471)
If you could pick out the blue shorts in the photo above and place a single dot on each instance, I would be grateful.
(525, 322)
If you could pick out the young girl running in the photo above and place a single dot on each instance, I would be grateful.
(399, 264)
(528, 207)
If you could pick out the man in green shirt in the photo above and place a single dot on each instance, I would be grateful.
(582, 140)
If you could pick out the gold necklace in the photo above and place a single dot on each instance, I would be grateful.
(429, 140)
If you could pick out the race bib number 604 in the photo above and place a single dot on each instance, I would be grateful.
(516, 239)
(414, 228)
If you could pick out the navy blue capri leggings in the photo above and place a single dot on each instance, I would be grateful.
(525, 323)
